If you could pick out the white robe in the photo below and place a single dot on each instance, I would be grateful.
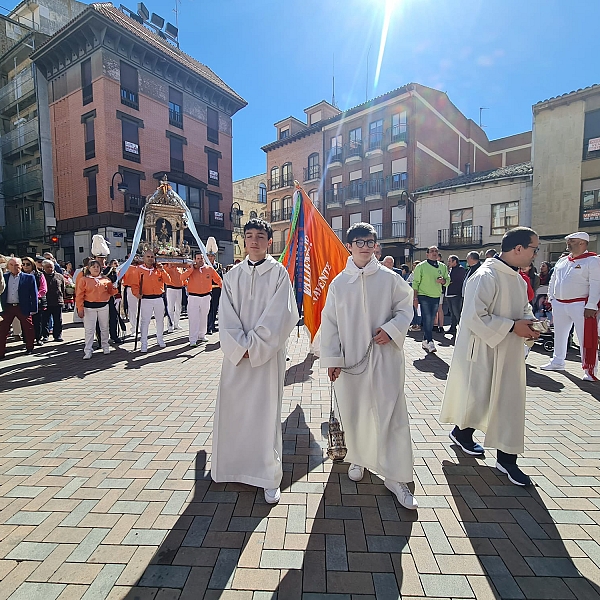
(372, 404)
(486, 383)
(256, 315)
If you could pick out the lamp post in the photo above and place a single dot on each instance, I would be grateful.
(122, 187)
(235, 214)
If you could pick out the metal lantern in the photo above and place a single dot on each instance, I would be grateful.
(336, 441)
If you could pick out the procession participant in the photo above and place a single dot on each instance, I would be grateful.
(174, 290)
(574, 293)
(200, 279)
(55, 295)
(215, 295)
(486, 382)
(92, 295)
(258, 312)
(131, 289)
(114, 320)
(362, 338)
(150, 294)
(29, 266)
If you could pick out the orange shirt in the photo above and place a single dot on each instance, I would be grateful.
(93, 289)
(132, 279)
(154, 281)
(200, 281)
(176, 275)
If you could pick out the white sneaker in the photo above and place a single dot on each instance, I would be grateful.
(431, 347)
(425, 345)
(87, 356)
(203, 340)
(178, 327)
(356, 472)
(170, 330)
(163, 345)
(404, 495)
(552, 366)
(272, 496)
(588, 377)
(106, 351)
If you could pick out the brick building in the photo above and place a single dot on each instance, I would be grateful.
(249, 201)
(126, 103)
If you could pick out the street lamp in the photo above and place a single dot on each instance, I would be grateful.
(235, 214)
(122, 187)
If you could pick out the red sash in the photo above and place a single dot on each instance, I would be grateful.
(584, 255)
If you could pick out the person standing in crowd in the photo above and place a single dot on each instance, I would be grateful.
(416, 322)
(258, 313)
(199, 279)
(92, 296)
(69, 291)
(150, 294)
(29, 266)
(130, 282)
(541, 304)
(454, 291)
(574, 293)
(364, 323)
(490, 253)
(76, 276)
(473, 262)
(388, 263)
(215, 295)
(533, 276)
(55, 300)
(18, 300)
(110, 270)
(428, 278)
(174, 290)
(486, 382)
(69, 268)
(405, 270)
(49, 256)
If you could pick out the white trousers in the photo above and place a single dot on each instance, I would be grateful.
(132, 309)
(174, 306)
(90, 316)
(565, 316)
(198, 307)
(156, 307)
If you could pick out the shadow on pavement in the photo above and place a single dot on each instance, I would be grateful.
(536, 378)
(300, 372)
(514, 536)
(432, 363)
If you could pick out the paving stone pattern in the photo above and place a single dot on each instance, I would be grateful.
(105, 491)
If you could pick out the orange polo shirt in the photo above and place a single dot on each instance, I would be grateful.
(200, 281)
(93, 289)
(154, 281)
(176, 275)
(132, 279)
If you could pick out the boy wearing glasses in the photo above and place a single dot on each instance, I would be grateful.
(363, 326)
(486, 383)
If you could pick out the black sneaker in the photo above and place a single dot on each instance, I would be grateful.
(515, 475)
(468, 445)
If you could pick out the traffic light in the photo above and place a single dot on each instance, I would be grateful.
(54, 240)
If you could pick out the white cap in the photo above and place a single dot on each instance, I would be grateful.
(580, 235)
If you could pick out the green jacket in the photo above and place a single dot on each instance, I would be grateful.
(424, 279)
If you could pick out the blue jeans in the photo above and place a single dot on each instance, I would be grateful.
(429, 308)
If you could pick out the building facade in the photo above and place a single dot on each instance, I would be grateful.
(566, 169)
(249, 202)
(127, 105)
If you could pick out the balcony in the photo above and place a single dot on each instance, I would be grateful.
(393, 230)
(29, 183)
(354, 193)
(18, 91)
(134, 203)
(287, 180)
(335, 157)
(312, 172)
(22, 139)
(374, 189)
(353, 151)
(90, 149)
(396, 184)
(397, 136)
(334, 197)
(280, 214)
(130, 98)
(87, 92)
(378, 229)
(131, 151)
(470, 237)
(375, 143)
(216, 219)
(274, 183)
(177, 165)
(175, 118)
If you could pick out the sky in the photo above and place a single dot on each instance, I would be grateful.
(504, 55)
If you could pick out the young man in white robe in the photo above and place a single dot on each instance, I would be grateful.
(486, 382)
(257, 313)
(366, 316)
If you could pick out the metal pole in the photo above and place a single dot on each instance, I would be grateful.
(137, 320)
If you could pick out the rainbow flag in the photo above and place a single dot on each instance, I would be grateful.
(313, 256)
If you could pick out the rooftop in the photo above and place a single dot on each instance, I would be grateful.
(568, 95)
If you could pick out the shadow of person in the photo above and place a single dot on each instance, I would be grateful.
(432, 363)
(515, 537)
(301, 371)
(536, 378)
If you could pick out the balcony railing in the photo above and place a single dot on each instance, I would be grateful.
(374, 187)
(393, 230)
(20, 137)
(334, 196)
(27, 183)
(16, 90)
(90, 149)
(216, 219)
(312, 172)
(274, 183)
(370, 187)
(355, 190)
(353, 149)
(131, 151)
(396, 182)
(177, 165)
(375, 140)
(87, 92)
(397, 133)
(469, 237)
(175, 118)
(134, 203)
(287, 213)
(336, 154)
(287, 180)
(378, 229)
(130, 98)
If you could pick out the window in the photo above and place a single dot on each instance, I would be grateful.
(591, 135)
(461, 223)
(376, 219)
(504, 217)
(590, 200)
(275, 182)
(216, 217)
(314, 170)
(92, 195)
(314, 197)
(288, 207)
(262, 193)
(213, 167)
(397, 181)
(336, 225)
(129, 86)
(175, 108)
(355, 145)
(275, 210)
(336, 148)
(284, 133)
(176, 154)
(375, 134)
(194, 201)
(26, 214)
(86, 81)
(355, 218)
(131, 140)
(212, 125)
(133, 198)
(89, 136)
(398, 132)
(287, 179)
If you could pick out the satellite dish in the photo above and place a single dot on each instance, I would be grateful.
(143, 11)
(157, 20)
(171, 30)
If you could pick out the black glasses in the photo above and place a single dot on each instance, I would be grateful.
(536, 249)
(362, 243)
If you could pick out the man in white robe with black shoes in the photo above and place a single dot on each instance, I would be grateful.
(363, 326)
(486, 384)
(257, 313)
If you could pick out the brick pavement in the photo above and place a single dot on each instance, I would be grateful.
(105, 492)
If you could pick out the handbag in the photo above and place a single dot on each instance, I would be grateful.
(336, 440)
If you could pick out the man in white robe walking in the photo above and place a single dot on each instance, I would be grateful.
(366, 316)
(486, 382)
(257, 313)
